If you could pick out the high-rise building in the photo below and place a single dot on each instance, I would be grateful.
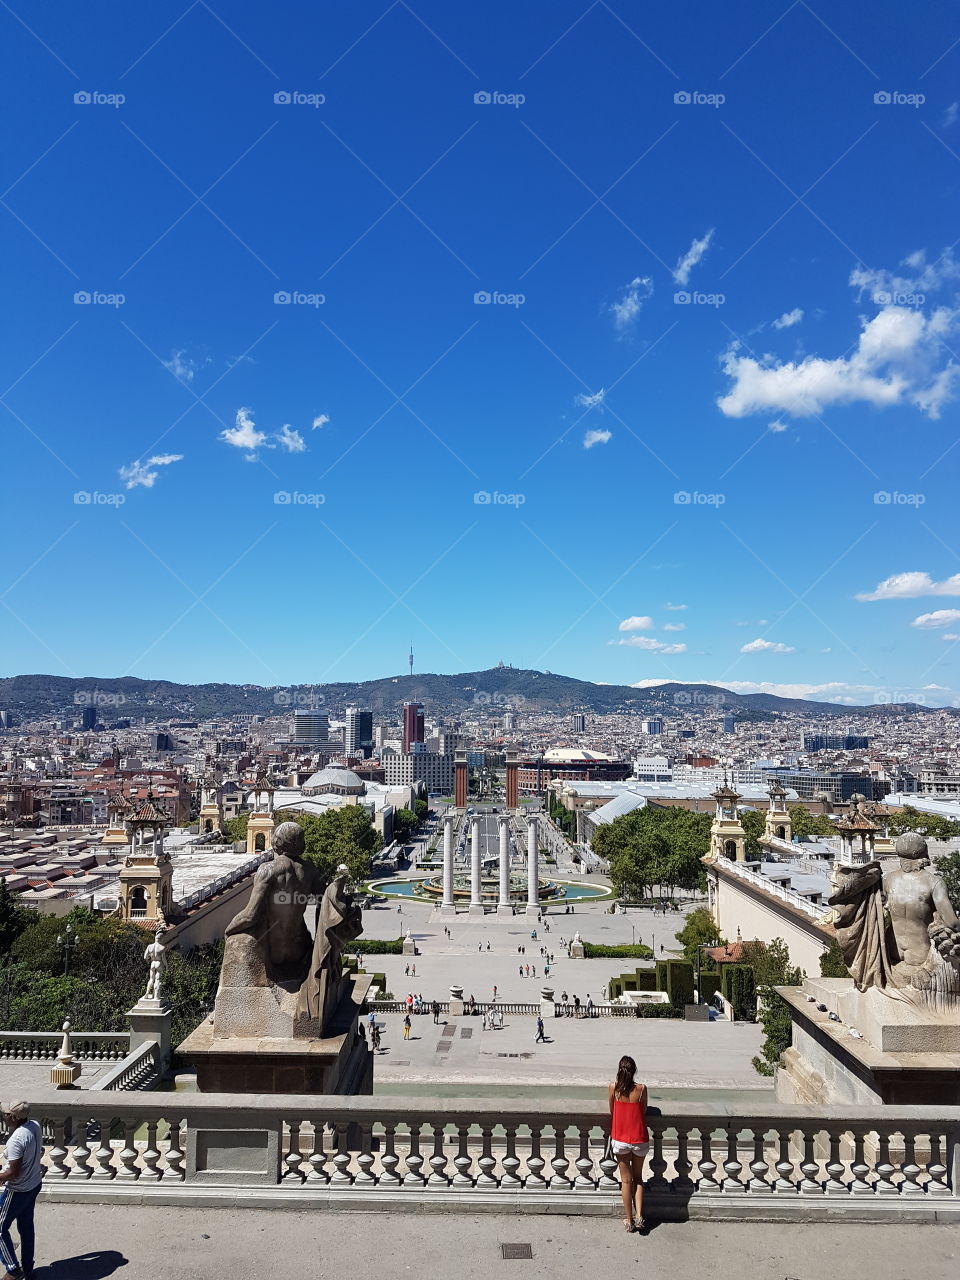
(652, 726)
(729, 724)
(311, 726)
(579, 723)
(358, 733)
(412, 724)
(89, 718)
(406, 768)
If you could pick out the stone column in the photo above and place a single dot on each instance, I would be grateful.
(448, 906)
(476, 902)
(533, 868)
(503, 904)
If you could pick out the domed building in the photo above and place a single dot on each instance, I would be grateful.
(334, 780)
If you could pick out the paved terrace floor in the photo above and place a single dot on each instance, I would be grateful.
(93, 1242)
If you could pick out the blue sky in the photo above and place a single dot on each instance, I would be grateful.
(716, 369)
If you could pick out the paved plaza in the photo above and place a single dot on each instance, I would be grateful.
(94, 1242)
(578, 1052)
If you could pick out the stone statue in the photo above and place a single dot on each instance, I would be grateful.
(899, 932)
(339, 922)
(155, 954)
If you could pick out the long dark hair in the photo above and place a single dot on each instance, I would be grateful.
(625, 1083)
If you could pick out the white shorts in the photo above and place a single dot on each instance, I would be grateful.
(630, 1148)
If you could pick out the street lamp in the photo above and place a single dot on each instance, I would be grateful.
(67, 941)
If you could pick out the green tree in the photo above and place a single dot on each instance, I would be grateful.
(654, 846)
(236, 828)
(14, 919)
(338, 836)
(933, 825)
(805, 823)
(404, 823)
(421, 808)
(753, 823)
(831, 962)
(699, 930)
(190, 986)
(772, 968)
(949, 868)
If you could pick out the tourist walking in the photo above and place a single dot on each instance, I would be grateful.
(375, 1037)
(435, 1009)
(407, 1024)
(576, 1006)
(540, 1037)
(20, 1181)
(589, 1005)
(629, 1141)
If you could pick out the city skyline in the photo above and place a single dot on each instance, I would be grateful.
(621, 346)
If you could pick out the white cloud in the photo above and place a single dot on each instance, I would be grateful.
(921, 276)
(753, 622)
(651, 645)
(596, 437)
(789, 319)
(907, 586)
(951, 114)
(675, 607)
(674, 626)
(940, 688)
(320, 420)
(690, 259)
(832, 691)
(899, 360)
(145, 473)
(949, 635)
(244, 435)
(636, 624)
(628, 308)
(182, 366)
(291, 440)
(776, 426)
(591, 402)
(766, 646)
(939, 618)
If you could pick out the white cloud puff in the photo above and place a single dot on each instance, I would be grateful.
(908, 586)
(244, 434)
(690, 259)
(291, 440)
(939, 618)
(145, 473)
(591, 402)
(675, 607)
(596, 437)
(788, 319)
(766, 646)
(674, 626)
(626, 310)
(320, 420)
(636, 624)
(651, 645)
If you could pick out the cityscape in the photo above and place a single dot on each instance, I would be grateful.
(479, 709)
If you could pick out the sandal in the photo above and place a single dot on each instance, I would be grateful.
(628, 1224)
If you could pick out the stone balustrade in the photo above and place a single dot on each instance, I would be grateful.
(796, 900)
(773, 1163)
(42, 1045)
(142, 1068)
(518, 1008)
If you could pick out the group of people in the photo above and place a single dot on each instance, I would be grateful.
(576, 1009)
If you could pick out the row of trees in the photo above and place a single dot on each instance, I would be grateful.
(654, 848)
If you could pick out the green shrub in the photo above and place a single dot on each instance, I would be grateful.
(659, 1011)
(739, 987)
(675, 977)
(376, 947)
(596, 951)
(709, 986)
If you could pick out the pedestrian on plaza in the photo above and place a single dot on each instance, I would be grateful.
(527, 967)
(521, 970)
(375, 1038)
(486, 1021)
(576, 1006)
(407, 1024)
(534, 968)
(406, 971)
(629, 1141)
(435, 1009)
(565, 1000)
(409, 1002)
(413, 971)
(540, 1037)
(372, 1019)
(488, 946)
(479, 946)
(494, 991)
(590, 1012)
(20, 1180)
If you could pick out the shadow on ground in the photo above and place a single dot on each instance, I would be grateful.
(83, 1266)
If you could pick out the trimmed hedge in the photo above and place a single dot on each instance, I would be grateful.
(596, 951)
(675, 977)
(376, 947)
(639, 980)
(738, 986)
(658, 1011)
(709, 986)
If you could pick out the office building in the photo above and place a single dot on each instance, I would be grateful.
(652, 726)
(407, 768)
(88, 719)
(310, 727)
(579, 723)
(412, 724)
(729, 724)
(358, 733)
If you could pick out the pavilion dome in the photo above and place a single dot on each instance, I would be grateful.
(334, 779)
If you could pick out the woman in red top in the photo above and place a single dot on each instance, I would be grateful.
(628, 1138)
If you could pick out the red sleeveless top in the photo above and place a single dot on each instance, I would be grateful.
(629, 1122)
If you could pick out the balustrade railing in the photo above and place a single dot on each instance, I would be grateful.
(43, 1045)
(140, 1069)
(777, 1162)
(518, 1008)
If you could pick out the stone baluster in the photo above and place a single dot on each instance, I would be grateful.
(365, 1160)
(707, 1165)
(316, 1172)
(81, 1150)
(559, 1163)
(732, 1166)
(104, 1153)
(341, 1161)
(657, 1183)
(608, 1169)
(175, 1154)
(463, 1160)
(389, 1160)
(810, 1166)
(414, 1160)
(151, 1155)
(884, 1168)
(859, 1186)
(293, 1158)
(759, 1183)
(683, 1183)
(487, 1162)
(835, 1167)
(785, 1184)
(535, 1161)
(584, 1180)
(438, 1161)
(128, 1170)
(57, 1155)
(936, 1169)
(511, 1180)
(909, 1168)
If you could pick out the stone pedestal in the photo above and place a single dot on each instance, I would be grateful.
(576, 951)
(548, 1004)
(409, 946)
(455, 1007)
(150, 1020)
